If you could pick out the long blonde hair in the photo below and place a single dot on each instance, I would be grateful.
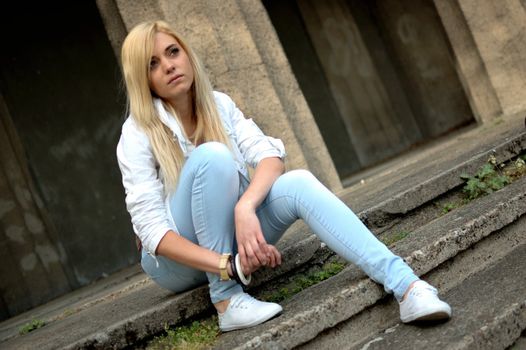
(136, 54)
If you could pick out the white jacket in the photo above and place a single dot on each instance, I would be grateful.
(145, 193)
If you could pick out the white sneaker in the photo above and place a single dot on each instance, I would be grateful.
(422, 304)
(244, 311)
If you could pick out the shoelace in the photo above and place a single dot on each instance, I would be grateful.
(242, 302)
(422, 289)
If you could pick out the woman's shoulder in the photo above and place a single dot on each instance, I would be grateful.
(130, 129)
(223, 101)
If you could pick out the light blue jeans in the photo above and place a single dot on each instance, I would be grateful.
(203, 209)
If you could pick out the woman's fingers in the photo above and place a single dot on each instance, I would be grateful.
(243, 257)
(276, 255)
(253, 256)
(272, 259)
(248, 257)
(249, 235)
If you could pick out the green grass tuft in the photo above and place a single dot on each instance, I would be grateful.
(487, 180)
(391, 239)
(195, 336)
(31, 326)
(303, 282)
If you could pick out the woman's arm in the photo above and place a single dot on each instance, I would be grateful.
(252, 247)
(144, 190)
(180, 249)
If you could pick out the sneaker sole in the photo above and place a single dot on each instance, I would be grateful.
(252, 324)
(428, 316)
(441, 315)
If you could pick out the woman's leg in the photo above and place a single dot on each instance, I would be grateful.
(203, 210)
(171, 275)
(298, 194)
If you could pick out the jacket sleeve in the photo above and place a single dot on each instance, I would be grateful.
(252, 142)
(143, 187)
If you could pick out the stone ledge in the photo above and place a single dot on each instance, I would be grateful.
(489, 312)
(439, 183)
(383, 317)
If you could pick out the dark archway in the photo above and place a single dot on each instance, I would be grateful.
(61, 85)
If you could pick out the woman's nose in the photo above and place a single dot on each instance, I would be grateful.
(168, 66)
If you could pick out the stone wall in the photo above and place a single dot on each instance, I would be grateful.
(63, 221)
(488, 39)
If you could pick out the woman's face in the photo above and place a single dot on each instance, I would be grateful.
(171, 74)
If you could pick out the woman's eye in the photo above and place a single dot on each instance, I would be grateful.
(174, 50)
(153, 64)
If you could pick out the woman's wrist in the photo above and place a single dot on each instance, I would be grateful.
(224, 262)
(229, 268)
(245, 205)
(229, 271)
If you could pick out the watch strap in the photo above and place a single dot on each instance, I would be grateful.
(223, 262)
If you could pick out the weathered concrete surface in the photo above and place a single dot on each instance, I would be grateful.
(489, 313)
(337, 299)
(116, 322)
(470, 66)
(81, 299)
(381, 318)
(520, 343)
(410, 181)
(488, 41)
(499, 32)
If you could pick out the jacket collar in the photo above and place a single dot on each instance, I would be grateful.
(171, 122)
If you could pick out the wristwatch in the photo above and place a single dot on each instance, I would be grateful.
(223, 263)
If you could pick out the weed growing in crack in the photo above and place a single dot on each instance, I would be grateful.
(31, 326)
(487, 180)
(450, 206)
(197, 335)
(393, 238)
(516, 169)
(303, 282)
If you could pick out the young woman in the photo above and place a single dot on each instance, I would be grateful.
(183, 154)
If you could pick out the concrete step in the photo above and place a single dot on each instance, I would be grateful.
(339, 298)
(519, 343)
(383, 317)
(139, 310)
(412, 182)
(490, 313)
(112, 287)
(119, 318)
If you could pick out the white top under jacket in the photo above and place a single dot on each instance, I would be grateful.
(146, 200)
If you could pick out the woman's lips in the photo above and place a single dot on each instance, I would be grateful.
(175, 78)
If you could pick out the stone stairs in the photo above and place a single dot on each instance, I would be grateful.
(469, 253)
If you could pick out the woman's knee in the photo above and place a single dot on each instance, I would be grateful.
(296, 182)
(215, 154)
(213, 150)
(298, 177)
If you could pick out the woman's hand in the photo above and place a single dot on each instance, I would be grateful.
(253, 250)
(252, 247)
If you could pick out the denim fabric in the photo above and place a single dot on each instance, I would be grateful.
(203, 209)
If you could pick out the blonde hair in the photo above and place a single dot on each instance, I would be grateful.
(136, 54)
